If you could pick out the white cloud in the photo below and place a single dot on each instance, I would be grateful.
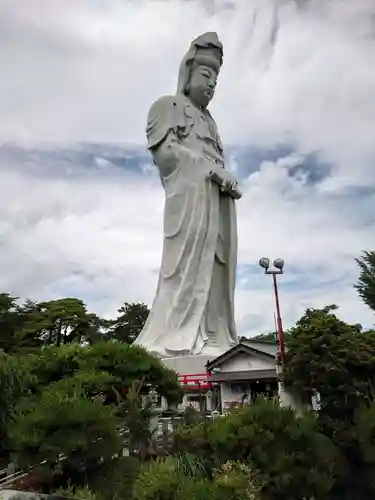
(96, 234)
(301, 71)
(317, 234)
(81, 233)
(298, 72)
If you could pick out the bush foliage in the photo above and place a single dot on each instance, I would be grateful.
(270, 439)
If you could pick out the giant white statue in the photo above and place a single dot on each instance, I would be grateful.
(193, 309)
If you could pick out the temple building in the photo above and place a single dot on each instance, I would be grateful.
(235, 377)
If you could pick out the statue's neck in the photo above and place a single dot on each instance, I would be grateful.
(195, 104)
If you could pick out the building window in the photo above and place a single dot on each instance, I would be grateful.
(239, 387)
(262, 388)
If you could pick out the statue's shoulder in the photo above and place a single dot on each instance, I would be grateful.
(166, 104)
(165, 114)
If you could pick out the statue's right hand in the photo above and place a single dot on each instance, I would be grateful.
(167, 155)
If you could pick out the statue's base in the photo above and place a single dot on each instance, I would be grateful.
(188, 365)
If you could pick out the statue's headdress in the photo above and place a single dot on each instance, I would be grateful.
(206, 50)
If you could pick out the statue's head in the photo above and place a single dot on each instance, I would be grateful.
(200, 68)
(201, 87)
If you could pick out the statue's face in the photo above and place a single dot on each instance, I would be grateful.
(202, 85)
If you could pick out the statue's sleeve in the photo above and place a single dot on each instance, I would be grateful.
(165, 115)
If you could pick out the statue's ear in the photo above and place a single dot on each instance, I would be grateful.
(189, 73)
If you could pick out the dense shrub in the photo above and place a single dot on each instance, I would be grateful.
(158, 480)
(166, 480)
(295, 460)
(114, 479)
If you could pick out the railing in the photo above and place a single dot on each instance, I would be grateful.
(195, 381)
(12, 478)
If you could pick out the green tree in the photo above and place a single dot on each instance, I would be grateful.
(128, 325)
(136, 410)
(267, 337)
(271, 337)
(73, 404)
(366, 280)
(336, 359)
(63, 321)
(295, 460)
(14, 336)
(15, 379)
(364, 430)
(66, 420)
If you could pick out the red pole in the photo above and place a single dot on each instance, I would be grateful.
(280, 330)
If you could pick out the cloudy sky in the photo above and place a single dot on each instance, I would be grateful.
(80, 205)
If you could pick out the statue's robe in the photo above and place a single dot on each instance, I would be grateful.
(193, 310)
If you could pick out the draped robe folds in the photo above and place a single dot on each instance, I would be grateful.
(193, 310)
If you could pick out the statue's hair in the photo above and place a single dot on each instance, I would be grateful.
(206, 50)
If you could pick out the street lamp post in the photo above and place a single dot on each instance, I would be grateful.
(285, 396)
(278, 269)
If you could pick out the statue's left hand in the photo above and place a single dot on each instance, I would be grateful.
(229, 185)
(229, 182)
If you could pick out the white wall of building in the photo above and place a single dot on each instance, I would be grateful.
(245, 362)
(233, 391)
